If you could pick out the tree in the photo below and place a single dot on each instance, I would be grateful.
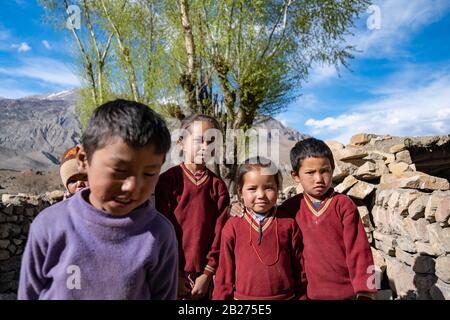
(233, 59)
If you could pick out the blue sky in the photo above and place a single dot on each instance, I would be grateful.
(399, 82)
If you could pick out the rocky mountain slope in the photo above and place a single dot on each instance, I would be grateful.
(35, 131)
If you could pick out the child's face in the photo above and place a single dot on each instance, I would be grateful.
(259, 191)
(195, 145)
(77, 182)
(315, 175)
(121, 177)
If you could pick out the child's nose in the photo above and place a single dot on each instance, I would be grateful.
(318, 177)
(130, 184)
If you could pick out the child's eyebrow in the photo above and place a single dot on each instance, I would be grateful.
(120, 161)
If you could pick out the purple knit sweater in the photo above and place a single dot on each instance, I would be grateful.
(75, 251)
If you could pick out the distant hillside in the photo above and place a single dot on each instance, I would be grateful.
(35, 131)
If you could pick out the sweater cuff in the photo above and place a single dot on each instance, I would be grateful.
(365, 296)
(209, 271)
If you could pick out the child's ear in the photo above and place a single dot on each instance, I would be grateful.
(82, 162)
(295, 176)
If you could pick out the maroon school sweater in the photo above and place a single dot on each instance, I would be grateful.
(270, 270)
(197, 207)
(337, 257)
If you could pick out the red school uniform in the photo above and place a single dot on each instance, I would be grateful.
(337, 258)
(197, 207)
(269, 269)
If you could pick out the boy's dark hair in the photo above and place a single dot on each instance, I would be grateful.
(249, 165)
(310, 147)
(134, 122)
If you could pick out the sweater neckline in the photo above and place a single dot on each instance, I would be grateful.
(135, 219)
(323, 206)
(196, 180)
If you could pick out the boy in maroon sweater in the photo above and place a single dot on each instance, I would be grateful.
(337, 257)
(196, 201)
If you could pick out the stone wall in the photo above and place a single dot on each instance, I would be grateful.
(406, 215)
(16, 214)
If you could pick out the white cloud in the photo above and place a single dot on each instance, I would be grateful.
(400, 19)
(319, 74)
(23, 47)
(46, 44)
(412, 111)
(44, 69)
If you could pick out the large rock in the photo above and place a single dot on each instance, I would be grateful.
(403, 156)
(438, 207)
(343, 169)
(365, 218)
(348, 182)
(413, 180)
(397, 168)
(440, 291)
(443, 268)
(380, 266)
(424, 264)
(401, 279)
(405, 257)
(361, 190)
(406, 244)
(397, 148)
(400, 200)
(371, 170)
(416, 229)
(382, 198)
(416, 209)
(388, 157)
(385, 242)
(439, 237)
(361, 138)
(428, 249)
(350, 153)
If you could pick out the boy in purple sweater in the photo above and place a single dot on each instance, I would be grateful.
(107, 241)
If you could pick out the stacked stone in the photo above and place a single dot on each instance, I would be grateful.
(16, 214)
(406, 214)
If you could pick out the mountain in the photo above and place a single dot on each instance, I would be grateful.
(36, 130)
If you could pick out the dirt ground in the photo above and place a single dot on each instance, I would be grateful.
(30, 181)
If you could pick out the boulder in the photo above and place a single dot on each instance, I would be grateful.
(371, 170)
(413, 180)
(403, 156)
(416, 229)
(365, 218)
(416, 209)
(397, 148)
(348, 182)
(401, 279)
(397, 168)
(440, 291)
(361, 190)
(443, 268)
(439, 237)
(361, 138)
(350, 153)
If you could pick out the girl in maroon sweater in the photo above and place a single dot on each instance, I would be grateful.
(195, 200)
(260, 255)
